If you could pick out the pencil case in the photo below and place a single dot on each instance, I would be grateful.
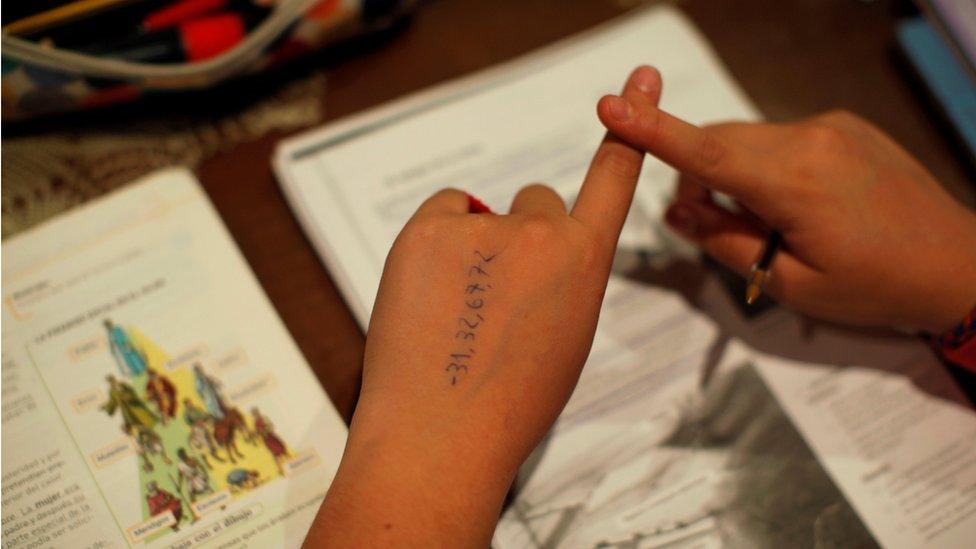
(39, 80)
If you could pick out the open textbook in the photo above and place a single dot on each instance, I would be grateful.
(691, 426)
(151, 396)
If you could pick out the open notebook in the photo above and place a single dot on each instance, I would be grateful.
(802, 435)
(151, 396)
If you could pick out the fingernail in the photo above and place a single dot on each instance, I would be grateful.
(619, 108)
(646, 79)
(682, 219)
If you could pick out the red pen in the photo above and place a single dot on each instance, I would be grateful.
(476, 206)
(180, 11)
(192, 40)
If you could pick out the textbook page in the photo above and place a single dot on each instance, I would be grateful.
(151, 396)
(683, 431)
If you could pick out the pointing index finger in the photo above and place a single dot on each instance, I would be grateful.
(608, 189)
(721, 163)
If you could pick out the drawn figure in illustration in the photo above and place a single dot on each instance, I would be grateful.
(192, 472)
(209, 390)
(129, 358)
(250, 435)
(200, 438)
(274, 444)
(225, 432)
(242, 479)
(162, 393)
(160, 501)
(150, 443)
(135, 414)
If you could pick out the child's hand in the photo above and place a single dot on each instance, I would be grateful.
(481, 327)
(871, 237)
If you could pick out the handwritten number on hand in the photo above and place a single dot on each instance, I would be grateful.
(458, 366)
(468, 322)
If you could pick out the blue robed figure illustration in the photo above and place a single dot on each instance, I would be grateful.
(207, 388)
(128, 357)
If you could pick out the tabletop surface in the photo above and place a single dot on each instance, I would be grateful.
(794, 59)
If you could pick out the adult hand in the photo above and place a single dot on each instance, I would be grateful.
(871, 237)
(480, 329)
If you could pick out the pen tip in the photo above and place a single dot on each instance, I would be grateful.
(752, 294)
(754, 288)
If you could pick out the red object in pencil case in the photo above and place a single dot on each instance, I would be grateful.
(179, 12)
(209, 37)
(193, 40)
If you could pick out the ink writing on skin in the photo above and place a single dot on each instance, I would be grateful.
(476, 290)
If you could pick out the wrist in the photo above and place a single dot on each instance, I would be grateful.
(403, 485)
(954, 281)
(434, 431)
(495, 424)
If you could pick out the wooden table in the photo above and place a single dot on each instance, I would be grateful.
(794, 58)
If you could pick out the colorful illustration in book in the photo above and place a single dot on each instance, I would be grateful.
(128, 358)
(265, 430)
(192, 442)
(199, 438)
(135, 414)
(208, 389)
(193, 474)
(241, 479)
(162, 393)
(160, 501)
